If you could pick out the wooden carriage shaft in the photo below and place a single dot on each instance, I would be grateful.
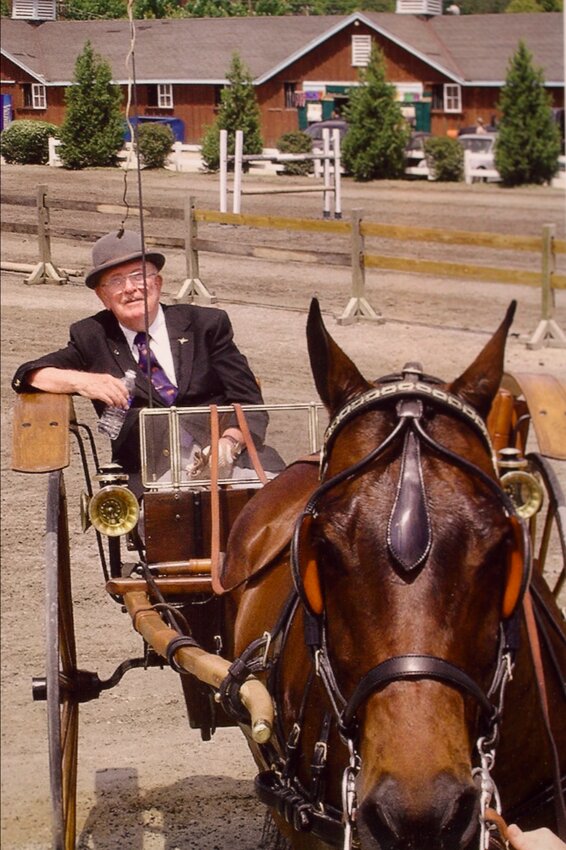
(208, 668)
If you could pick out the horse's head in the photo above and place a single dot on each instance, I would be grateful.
(404, 556)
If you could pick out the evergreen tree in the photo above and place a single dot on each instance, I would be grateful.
(528, 144)
(374, 145)
(93, 129)
(239, 110)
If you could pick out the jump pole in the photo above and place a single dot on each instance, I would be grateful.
(548, 332)
(331, 175)
(337, 173)
(326, 172)
(223, 171)
(238, 153)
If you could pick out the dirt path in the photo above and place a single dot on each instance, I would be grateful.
(146, 781)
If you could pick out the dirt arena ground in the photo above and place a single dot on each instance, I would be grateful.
(146, 781)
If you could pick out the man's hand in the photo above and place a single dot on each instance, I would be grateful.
(104, 388)
(93, 385)
(537, 839)
(229, 448)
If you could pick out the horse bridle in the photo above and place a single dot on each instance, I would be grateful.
(411, 395)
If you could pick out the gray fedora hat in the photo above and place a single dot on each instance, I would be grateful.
(121, 246)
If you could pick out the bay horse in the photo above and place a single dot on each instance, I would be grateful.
(383, 606)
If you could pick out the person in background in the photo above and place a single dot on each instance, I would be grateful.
(480, 128)
(187, 351)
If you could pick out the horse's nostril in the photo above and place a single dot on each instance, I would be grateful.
(444, 816)
(461, 820)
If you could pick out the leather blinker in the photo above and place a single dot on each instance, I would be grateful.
(515, 578)
(308, 568)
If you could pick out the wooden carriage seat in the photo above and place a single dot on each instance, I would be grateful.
(524, 399)
(40, 432)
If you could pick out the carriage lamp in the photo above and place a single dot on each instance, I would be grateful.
(522, 486)
(113, 510)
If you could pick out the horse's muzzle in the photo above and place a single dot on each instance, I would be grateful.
(443, 816)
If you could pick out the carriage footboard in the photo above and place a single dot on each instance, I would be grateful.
(208, 668)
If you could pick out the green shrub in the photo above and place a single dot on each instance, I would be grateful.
(295, 142)
(210, 148)
(25, 142)
(154, 144)
(445, 158)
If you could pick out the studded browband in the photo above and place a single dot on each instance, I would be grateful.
(400, 390)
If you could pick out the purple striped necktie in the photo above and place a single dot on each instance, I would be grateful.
(161, 383)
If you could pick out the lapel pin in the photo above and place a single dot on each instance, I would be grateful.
(182, 340)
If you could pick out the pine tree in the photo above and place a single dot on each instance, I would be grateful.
(374, 145)
(528, 144)
(239, 110)
(93, 129)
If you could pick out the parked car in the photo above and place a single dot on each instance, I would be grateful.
(415, 159)
(315, 130)
(482, 150)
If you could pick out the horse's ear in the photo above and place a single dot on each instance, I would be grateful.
(480, 382)
(337, 379)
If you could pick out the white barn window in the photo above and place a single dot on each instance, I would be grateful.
(165, 95)
(452, 97)
(38, 96)
(361, 50)
(35, 96)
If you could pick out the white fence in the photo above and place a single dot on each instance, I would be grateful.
(182, 157)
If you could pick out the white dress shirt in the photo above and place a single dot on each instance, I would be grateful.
(158, 342)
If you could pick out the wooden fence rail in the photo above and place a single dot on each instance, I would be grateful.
(357, 257)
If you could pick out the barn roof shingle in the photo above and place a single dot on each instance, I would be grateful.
(469, 49)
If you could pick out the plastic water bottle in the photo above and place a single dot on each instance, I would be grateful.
(111, 421)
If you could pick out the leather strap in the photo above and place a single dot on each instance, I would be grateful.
(250, 445)
(403, 668)
(534, 645)
(494, 817)
(214, 503)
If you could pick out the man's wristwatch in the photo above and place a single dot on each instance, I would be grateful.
(236, 445)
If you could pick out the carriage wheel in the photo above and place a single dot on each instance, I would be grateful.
(62, 706)
(548, 528)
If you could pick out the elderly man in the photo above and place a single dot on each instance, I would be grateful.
(193, 359)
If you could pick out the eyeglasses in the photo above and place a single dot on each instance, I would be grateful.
(137, 278)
